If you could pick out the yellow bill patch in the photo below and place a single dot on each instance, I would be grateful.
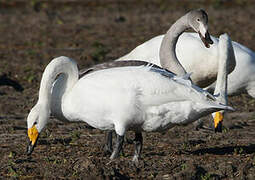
(217, 118)
(33, 134)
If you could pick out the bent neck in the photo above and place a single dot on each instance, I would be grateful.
(225, 50)
(58, 78)
(167, 54)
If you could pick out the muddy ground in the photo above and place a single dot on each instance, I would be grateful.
(95, 31)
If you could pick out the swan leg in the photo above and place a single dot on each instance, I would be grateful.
(118, 146)
(138, 142)
(108, 145)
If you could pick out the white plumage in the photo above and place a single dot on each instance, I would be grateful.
(194, 57)
(138, 98)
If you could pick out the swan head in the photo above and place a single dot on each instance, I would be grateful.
(36, 121)
(198, 20)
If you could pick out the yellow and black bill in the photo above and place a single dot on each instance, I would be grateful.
(218, 119)
(33, 135)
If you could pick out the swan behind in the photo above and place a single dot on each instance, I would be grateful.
(190, 51)
(166, 50)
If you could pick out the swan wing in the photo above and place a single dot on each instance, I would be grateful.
(114, 64)
(157, 85)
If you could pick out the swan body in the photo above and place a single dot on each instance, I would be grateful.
(202, 62)
(138, 98)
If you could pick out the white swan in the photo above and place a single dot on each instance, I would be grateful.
(138, 98)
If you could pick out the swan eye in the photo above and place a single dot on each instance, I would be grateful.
(198, 19)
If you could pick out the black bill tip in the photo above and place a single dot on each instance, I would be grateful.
(206, 40)
(218, 129)
(30, 148)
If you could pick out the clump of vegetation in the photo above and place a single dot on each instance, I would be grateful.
(238, 150)
(29, 74)
(183, 166)
(75, 135)
(100, 51)
(206, 176)
(12, 171)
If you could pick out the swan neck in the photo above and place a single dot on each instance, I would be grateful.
(224, 50)
(58, 78)
(168, 58)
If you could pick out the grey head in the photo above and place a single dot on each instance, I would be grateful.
(198, 20)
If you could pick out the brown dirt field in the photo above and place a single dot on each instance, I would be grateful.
(34, 32)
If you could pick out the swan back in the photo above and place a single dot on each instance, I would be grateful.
(153, 82)
(129, 91)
